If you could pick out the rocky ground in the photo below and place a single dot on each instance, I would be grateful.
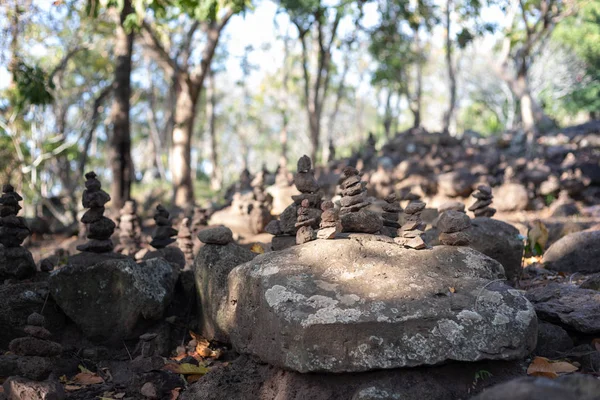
(407, 286)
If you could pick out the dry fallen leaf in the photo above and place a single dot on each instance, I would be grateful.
(72, 388)
(175, 394)
(193, 378)
(538, 236)
(541, 366)
(87, 378)
(452, 290)
(186, 369)
(257, 248)
(596, 344)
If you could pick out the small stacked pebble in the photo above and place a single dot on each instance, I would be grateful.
(453, 226)
(13, 231)
(481, 208)
(330, 224)
(391, 212)
(185, 242)
(130, 230)
(220, 235)
(199, 219)
(355, 218)
(304, 224)
(307, 185)
(99, 227)
(164, 232)
(36, 343)
(409, 235)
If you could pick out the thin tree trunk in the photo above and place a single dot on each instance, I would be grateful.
(216, 176)
(283, 140)
(416, 109)
(120, 142)
(180, 160)
(387, 118)
(451, 74)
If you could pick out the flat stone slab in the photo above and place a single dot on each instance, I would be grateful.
(357, 305)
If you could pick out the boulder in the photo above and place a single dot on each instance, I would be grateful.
(211, 268)
(16, 388)
(361, 221)
(216, 235)
(500, 241)
(511, 197)
(172, 254)
(356, 305)
(246, 379)
(567, 387)
(107, 299)
(456, 183)
(568, 305)
(553, 341)
(18, 301)
(576, 252)
(15, 263)
(592, 282)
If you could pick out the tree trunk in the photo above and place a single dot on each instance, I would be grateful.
(120, 142)
(216, 176)
(416, 109)
(180, 159)
(387, 118)
(314, 120)
(451, 74)
(283, 140)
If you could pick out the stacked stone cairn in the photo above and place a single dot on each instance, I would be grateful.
(453, 226)
(34, 348)
(481, 208)
(391, 212)
(355, 217)
(185, 241)
(164, 232)
(304, 224)
(330, 224)
(99, 227)
(410, 234)
(130, 230)
(260, 211)
(13, 231)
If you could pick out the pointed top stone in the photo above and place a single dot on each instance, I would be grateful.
(304, 164)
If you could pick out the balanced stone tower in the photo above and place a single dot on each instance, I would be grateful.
(391, 212)
(304, 223)
(185, 241)
(481, 208)
(164, 232)
(453, 226)
(410, 234)
(355, 217)
(99, 227)
(260, 214)
(330, 224)
(130, 230)
(13, 231)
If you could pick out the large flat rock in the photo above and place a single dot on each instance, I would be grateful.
(577, 252)
(350, 305)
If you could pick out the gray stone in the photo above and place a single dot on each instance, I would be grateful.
(17, 388)
(568, 305)
(456, 183)
(592, 282)
(453, 221)
(352, 305)
(365, 221)
(455, 238)
(216, 235)
(16, 263)
(107, 299)
(576, 252)
(567, 387)
(211, 268)
(500, 241)
(511, 197)
(553, 341)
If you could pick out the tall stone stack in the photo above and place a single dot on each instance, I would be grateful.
(481, 208)
(390, 215)
(260, 214)
(354, 215)
(13, 231)
(186, 242)
(164, 232)
(453, 226)
(130, 230)
(330, 224)
(99, 227)
(304, 223)
(410, 234)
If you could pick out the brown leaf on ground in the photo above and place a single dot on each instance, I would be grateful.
(87, 378)
(541, 366)
(175, 393)
(72, 388)
(257, 248)
(186, 369)
(596, 343)
(193, 378)
(452, 290)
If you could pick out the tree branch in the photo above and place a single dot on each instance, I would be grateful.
(162, 55)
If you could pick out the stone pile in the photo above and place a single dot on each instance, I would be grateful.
(13, 231)
(481, 208)
(99, 227)
(355, 217)
(130, 230)
(185, 241)
(304, 224)
(390, 215)
(410, 234)
(330, 224)
(164, 232)
(199, 219)
(260, 211)
(453, 226)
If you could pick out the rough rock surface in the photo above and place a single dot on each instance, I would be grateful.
(107, 299)
(568, 305)
(216, 235)
(211, 268)
(567, 387)
(20, 388)
(511, 197)
(577, 252)
(245, 379)
(553, 341)
(592, 282)
(500, 241)
(356, 305)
